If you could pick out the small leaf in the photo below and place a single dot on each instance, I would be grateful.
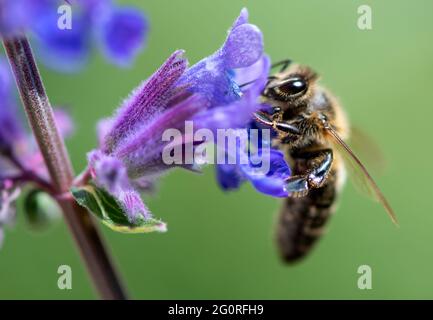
(106, 208)
(40, 209)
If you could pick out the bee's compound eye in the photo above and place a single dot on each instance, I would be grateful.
(292, 87)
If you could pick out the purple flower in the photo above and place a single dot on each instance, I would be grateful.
(111, 175)
(11, 130)
(64, 50)
(129, 158)
(258, 163)
(272, 181)
(13, 19)
(64, 122)
(237, 112)
(122, 34)
(213, 77)
(63, 32)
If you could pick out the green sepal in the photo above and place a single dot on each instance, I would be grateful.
(107, 209)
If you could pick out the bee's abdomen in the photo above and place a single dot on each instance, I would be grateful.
(301, 221)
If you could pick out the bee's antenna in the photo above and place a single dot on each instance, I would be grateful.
(284, 63)
(247, 83)
(252, 81)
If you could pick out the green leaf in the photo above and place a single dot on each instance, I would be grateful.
(107, 209)
(40, 209)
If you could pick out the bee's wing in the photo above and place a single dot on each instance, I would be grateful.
(359, 173)
(367, 149)
(370, 154)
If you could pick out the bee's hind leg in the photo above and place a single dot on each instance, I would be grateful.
(318, 165)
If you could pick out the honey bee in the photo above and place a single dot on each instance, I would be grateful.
(311, 129)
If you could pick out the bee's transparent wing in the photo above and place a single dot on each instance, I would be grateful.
(359, 174)
(367, 150)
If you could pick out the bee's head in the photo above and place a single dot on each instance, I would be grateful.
(291, 88)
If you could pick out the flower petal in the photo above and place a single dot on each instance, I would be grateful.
(239, 113)
(258, 71)
(110, 174)
(271, 181)
(131, 202)
(241, 19)
(65, 50)
(64, 122)
(229, 176)
(5, 79)
(212, 77)
(236, 115)
(243, 47)
(142, 153)
(11, 129)
(146, 101)
(123, 34)
(103, 127)
(13, 19)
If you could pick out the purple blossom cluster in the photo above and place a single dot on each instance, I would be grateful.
(119, 31)
(129, 157)
(222, 91)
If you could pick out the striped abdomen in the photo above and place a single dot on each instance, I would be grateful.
(302, 219)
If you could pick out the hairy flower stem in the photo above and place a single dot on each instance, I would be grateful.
(41, 119)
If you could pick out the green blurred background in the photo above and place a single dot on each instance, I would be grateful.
(221, 245)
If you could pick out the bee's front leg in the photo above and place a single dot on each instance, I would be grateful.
(318, 165)
(278, 125)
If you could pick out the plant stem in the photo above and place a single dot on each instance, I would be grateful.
(41, 119)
